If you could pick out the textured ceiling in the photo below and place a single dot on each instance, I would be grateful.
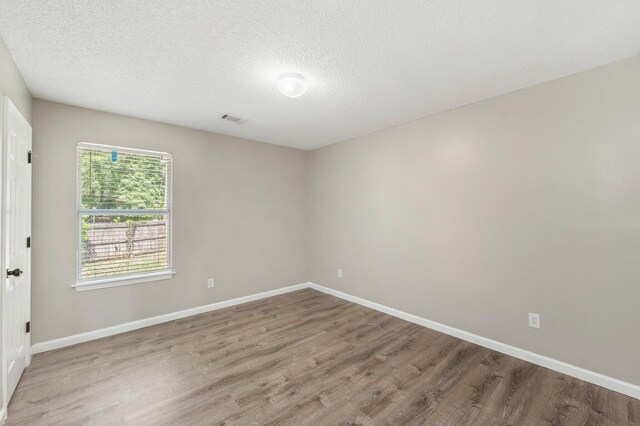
(370, 64)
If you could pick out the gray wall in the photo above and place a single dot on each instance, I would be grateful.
(528, 202)
(12, 85)
(240, 214)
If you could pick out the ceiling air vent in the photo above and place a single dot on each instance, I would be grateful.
(236, 120)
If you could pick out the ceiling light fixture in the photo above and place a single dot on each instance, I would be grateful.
(292, 84)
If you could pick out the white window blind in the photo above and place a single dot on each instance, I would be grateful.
(124, 213)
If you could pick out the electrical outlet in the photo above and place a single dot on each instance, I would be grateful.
(339, 273)
(211, 283)
(534, 320)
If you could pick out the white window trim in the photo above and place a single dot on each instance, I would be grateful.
(117, 281)
(123, 280)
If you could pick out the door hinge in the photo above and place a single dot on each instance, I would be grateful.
(29, 157)
(28, 327)
(28, 242)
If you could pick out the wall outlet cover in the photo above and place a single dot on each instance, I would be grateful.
(534, 320)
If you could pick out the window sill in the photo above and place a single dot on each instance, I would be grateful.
(119, 281)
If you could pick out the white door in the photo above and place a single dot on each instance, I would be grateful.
(16, 295)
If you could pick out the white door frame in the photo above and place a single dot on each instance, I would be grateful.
(9, 106)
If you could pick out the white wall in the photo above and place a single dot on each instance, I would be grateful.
(528, 202)
(240, 214)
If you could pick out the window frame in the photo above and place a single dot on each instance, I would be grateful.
(126, 279)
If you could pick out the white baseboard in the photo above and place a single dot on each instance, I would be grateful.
(553, 364)
(134, 325)
(3, 415)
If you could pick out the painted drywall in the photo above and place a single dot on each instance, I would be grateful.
(12, 84)
(239, 216)
(528, 202)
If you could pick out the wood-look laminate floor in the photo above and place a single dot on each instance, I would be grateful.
(301, 358)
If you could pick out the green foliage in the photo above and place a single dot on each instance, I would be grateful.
(131, 182)
(131, 232)
(86, 227)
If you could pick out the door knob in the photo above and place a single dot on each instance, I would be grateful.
(16, 272)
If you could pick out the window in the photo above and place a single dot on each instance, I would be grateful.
(124, 216)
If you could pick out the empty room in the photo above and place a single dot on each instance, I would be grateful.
(297, 212)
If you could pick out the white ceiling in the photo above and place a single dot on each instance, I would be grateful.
(370, 64)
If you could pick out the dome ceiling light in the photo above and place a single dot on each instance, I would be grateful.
(292, 84)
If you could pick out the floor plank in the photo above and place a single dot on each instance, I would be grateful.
(301, 358)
